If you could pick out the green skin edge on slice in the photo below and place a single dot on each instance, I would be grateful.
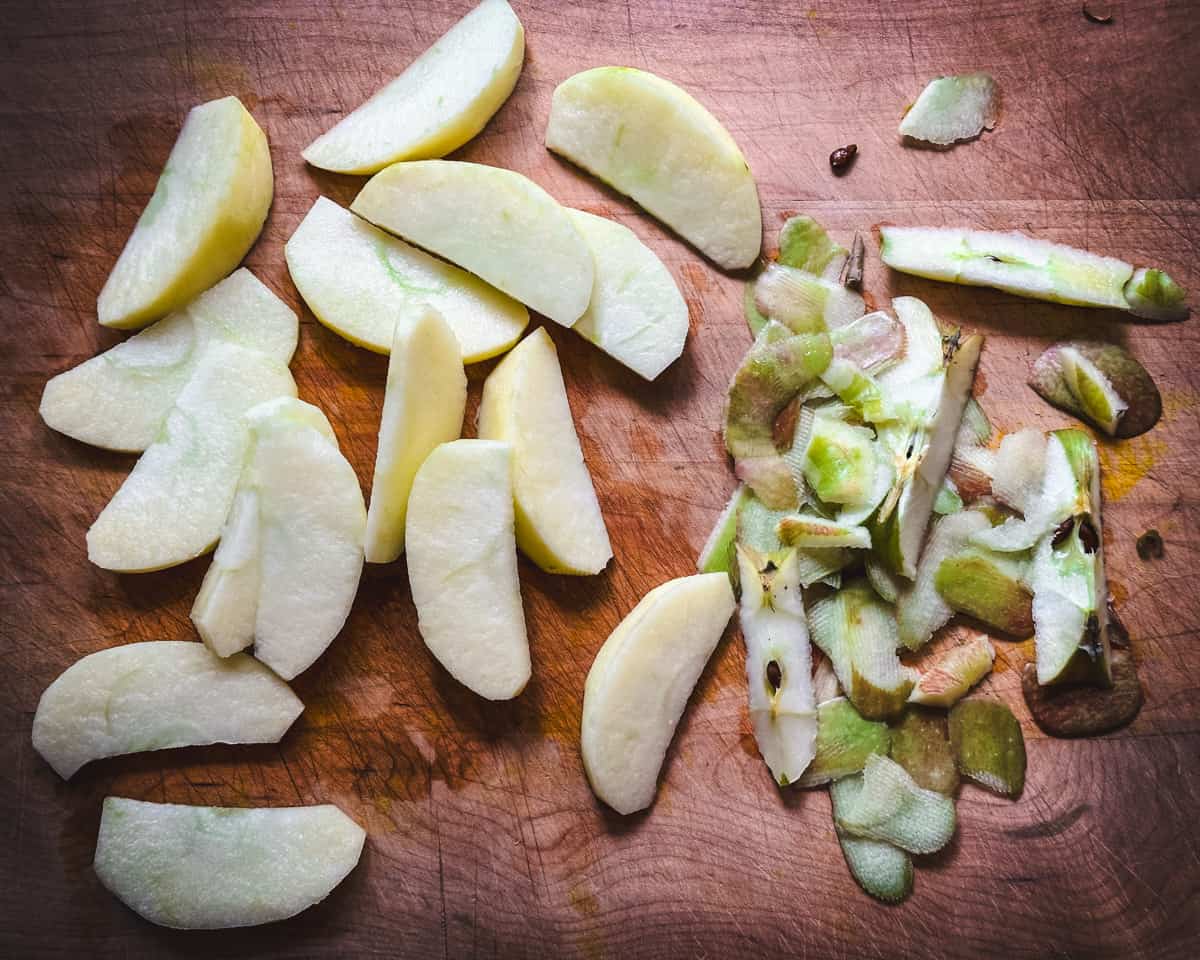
(844, 741)
(972, 584)
(989, 747)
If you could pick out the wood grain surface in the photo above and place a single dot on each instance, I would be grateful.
(484, 839)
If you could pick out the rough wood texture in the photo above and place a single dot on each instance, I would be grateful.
(484, 837)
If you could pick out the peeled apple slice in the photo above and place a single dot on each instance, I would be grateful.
(462, 566)
(441, 100)
(1028, 267)
(637, 314)
(206, 212)
(497, 224)
(171, 508)
(119, 399)
(226, 608)
(640, 682)
(357, 280)
(207, 868)
(778, 664)
(650, 140)
(559, 523)
(423, 406)
(950, 109)
(157, 695)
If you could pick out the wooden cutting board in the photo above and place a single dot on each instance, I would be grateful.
(484, 839)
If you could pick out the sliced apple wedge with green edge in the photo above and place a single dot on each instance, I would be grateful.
(208, 868)
(357, 279)
(423, 406)
(497, 224)
(154, 696)
(119, 399)
(650, 140)
(640, 682)
(207, 210)
(441, 100)
(462, 566)
(172, 506)
(637, 314)
(778, 663)
(559, 524)
(717, 554)
(1029, 267)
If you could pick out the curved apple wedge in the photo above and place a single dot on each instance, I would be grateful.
(208, 207)
(154, 696)
(207, 868)
(438, 103)
(655, 143)
(497, 224)
(287, 570)
(462, 566)
(357, 279)
(640, 682)
(558, 519)
(171, 507)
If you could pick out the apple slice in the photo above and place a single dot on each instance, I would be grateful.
(637, 314)
(640, 682)
(462, 566)
(357, 280)
(119, 399)
(444, 97)
(206, 212)
(497, 224)
(717, 554)
(950, 109)
(171, 507)
(653, 142)
(559, 524)
(154, 696)
(226, 608)
(207, 868)
(423, 406)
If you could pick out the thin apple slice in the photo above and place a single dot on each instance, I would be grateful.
(950, 109)
(462, 566)
(892, 808)
(640, 682)
(844, 741)
(717, 554)
(1028, 267)
(206, 212)
(423, 406)
(814, 531)
(440, 101)
(1101, 383)
(495, 223)
(653, 142)
(357, 280)
(778, 664)
(226, 608)
(559, 523)
(154, 696)
(921, 745)
(989, 747)
(637, 314)
(989, 587)
(119, 399)
(804, 244)
(804, 302)
(954, 673)
(170, 509)
(881, 869)
(207, 868)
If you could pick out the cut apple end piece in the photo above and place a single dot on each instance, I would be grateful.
(462, 566)
(640, 682)
(921, 745)
(438, 103)
(1085, 711)
(558, 520)
(497, 224)
(207, 210)
(208, 868)
(1101, 383)
(844, 741)
(892, 808)
(949, 678)
(154, 696)
(358, 280)
(1153, 295)
(951, 109)
(988, 745)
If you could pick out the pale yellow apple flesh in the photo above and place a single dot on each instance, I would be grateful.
(640, 682)
(423, 407)
(157, 695)
(207, 868)
(226, 607)
(357, 280)
(495, 223)
(462, 566)
(655, 143)
(559, 524)
(438, 103)
(119, 399)
(171, 508)
(637, 314)
(208, 207)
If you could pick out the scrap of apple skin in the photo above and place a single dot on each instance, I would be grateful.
(953, 109)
